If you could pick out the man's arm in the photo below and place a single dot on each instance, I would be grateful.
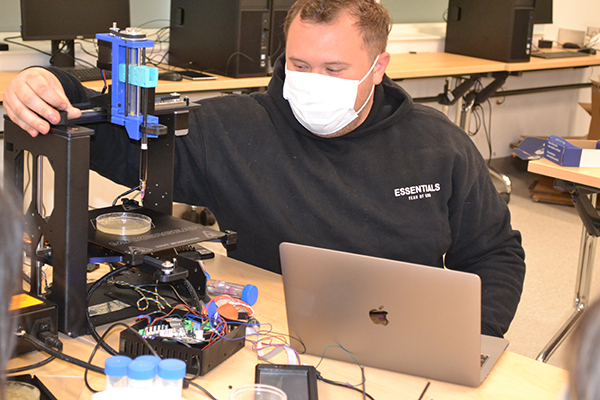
(484, 243)
(32, 99)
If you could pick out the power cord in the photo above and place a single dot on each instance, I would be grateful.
(206, 392)
(341, 384)
(54, 341)
(31, 366)
(102, 340)
(151, 350)
(88, 318)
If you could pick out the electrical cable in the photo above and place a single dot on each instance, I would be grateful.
(189, 381)
(486, 129)
(194, 295)
(59, 354)
(64, 44)
(84, 50)
(125, 194)
(154, 20)
(348, 385)
(173, 288)
(9, 40)
(235, 54)
(341, 384)
(32, 366)
(88, 296)
(206, 391)
(198, 369)
(178, 296)
(102, 340)
(103, 280)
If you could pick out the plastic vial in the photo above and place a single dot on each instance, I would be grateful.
(155, 360)
(115, 369)
(170, 377)
(247, 293)
(149, 357)
(140, 374)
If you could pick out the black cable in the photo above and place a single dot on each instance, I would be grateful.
(59, 354)
(477, 119)
(83, 49)
(206, 392)
(125, 194)
(321, 378)
(32, 366)
(198, 370)
(103, 280)
(194, 295)
(155, 20)
(9, 40)
(64, 44)
(178, 296)
(88, 296)
(488, 131)
(102, 340)
(234, 54)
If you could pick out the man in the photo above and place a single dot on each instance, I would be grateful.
(334, 155)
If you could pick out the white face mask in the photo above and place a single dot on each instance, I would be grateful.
(323, 104)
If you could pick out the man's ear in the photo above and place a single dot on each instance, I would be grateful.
(380, 67)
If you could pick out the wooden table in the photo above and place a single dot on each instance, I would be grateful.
(585, 176)
(402, 66)
(514, 377)
(589, 177)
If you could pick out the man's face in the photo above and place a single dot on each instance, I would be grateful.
(336, 50)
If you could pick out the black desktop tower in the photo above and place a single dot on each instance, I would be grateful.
(279, 10)
(226, 37)
(498, 30)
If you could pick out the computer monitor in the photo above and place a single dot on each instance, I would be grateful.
(63, 21)
(543, 12)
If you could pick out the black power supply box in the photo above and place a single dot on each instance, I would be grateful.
(33, 315)
(200, 358)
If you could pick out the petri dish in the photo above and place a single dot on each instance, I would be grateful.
(123, 223)
(16, 390)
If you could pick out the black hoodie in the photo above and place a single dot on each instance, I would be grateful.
(407, 184)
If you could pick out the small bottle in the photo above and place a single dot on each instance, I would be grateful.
(140, 374)
(149, 357)
(155, 360)
(115, 369)
(170, 378)
(247, 293)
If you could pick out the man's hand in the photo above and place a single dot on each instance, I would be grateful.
(36, 92)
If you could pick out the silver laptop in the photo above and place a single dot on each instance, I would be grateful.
(394, 315)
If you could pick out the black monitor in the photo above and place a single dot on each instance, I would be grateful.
(543, 12)
(63, 21)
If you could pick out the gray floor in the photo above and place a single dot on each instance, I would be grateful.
(551, 238)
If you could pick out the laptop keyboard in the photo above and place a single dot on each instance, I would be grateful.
(87, 74)
(484, 358)
(558, 54)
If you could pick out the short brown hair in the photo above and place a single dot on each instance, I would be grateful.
(373, 19)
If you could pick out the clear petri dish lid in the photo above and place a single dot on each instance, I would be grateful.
(123, 223)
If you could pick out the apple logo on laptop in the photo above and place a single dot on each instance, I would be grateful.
(379, 316)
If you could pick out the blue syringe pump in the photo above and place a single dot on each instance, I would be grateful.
(132, 90)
